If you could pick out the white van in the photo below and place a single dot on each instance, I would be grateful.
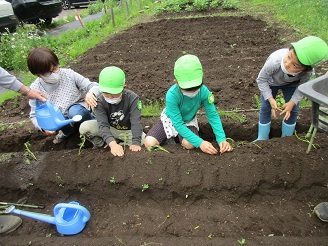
(8, 20)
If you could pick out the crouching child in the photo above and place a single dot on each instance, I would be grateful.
(118, 114)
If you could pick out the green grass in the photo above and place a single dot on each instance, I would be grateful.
(152, 109)
(307, 17)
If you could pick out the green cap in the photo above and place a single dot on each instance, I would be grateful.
(188, 71)
(111, 80)
(311, 50)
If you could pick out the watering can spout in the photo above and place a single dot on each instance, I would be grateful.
(50, 118)
(42, 217)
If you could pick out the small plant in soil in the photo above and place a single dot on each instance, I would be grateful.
(157, 147)
(305, 140)
(112, 180)
(119, 240)
(81, 145)
(144, 187)
(280, 100)
(28, 153)
(257, 101)
(59, 178)
(242, 241)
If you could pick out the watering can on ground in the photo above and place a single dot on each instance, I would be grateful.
(69, 218)
(50, 118)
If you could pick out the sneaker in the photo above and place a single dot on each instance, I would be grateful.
(321, 210)
(60, 137)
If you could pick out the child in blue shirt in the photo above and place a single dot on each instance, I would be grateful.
(183, 100)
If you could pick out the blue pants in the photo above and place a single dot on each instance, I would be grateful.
(265, 110)
(76, 109)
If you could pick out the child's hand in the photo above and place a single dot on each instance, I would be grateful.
(135, 148)
(274, 106)
(90, 100)
(225, 147)
(116, 149)
(287, 108)
(208, 148)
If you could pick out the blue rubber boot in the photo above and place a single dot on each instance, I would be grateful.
(263, 131)
(287, 130)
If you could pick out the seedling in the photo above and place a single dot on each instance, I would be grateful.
(157, 147)
(306, 141)
(210, 235)
(280, 100)
(125, 139)
(242, 241)
(112, 180)
(59, 178)
(149, 161)
(257, 101)
(28, 152)
(81, 145)
(167, 216)
(119, 240)
(144, 187)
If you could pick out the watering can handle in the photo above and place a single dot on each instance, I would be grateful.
(85, 211)
(37, 103)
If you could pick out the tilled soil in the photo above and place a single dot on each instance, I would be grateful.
(262, 192)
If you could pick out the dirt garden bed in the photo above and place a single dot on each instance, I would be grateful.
(262, 192)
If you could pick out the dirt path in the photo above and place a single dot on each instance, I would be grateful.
(262, 192)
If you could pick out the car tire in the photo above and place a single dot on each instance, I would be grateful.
(47, 21)
(66, 4)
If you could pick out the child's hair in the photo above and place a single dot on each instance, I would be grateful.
(40, 60)
(306, 67)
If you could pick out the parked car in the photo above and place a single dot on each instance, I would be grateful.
(8, 20)
(67, 4)
(32, 11)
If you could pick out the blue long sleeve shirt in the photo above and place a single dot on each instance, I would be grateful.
(182, 109)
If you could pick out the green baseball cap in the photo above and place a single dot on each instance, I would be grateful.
(188, 71)
(311, 50)
(111, 80)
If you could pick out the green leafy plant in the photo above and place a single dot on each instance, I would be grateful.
(112, 180)
(257, 101)
(157, 147)
(81, 145)
(234, 115)
(242, 241)
(28, 152)
(153, 108)
(229, 4)
(144, 187)
(60, 180)
(280, 100)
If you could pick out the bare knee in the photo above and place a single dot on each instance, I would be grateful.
(150, 141)
(187, 145)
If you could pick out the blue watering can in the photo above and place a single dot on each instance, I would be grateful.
(50, 118)
(69, 218)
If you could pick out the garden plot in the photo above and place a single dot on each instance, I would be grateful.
(261, 194)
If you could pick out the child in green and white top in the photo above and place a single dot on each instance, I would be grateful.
(183, 100)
